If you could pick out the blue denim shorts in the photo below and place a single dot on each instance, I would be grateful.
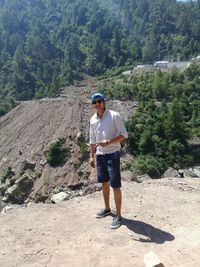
(108, 169)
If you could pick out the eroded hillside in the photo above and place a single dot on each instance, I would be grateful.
(27, 131)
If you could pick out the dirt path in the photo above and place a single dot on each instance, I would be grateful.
(162, 216)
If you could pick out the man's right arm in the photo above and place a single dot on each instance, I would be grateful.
(92, 147)
(92, 157)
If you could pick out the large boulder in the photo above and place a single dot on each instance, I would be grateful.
(62, 196)
(130, 176)
(171, 172)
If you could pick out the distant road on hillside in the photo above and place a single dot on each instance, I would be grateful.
(178, 64)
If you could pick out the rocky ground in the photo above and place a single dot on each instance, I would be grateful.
(160, 216)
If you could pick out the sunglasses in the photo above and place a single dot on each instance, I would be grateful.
(97, 101)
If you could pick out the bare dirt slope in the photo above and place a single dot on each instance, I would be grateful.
(162, 216)
(27, 130)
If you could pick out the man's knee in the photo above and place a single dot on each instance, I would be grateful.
(117, 189)
(105, 184)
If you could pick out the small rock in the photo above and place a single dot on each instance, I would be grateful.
(5, 199)
(80, 137)
(6, 209)
(75, 185)
(143, 177)
(152, 260)
(129, 176)
(11, 189)
(3, 189)
(181, 173)
(2, 204)
(43, 162)
(91, 189)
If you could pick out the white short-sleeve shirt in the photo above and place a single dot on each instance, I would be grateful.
(106, 128)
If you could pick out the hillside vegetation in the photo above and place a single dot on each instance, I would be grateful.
(46, 44)
(168, 116)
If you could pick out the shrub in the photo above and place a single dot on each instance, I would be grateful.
(38, 173)
(148, 164)
(57, 153)
(83, 149)
(7, 175)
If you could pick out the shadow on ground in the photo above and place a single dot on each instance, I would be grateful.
(153, 234)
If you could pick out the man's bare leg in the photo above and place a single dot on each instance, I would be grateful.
(118, 201)
(106, 194)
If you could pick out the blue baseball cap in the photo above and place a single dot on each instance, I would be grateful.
(97, 95)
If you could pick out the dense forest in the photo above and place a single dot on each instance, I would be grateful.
(167, 119)
(46, 44)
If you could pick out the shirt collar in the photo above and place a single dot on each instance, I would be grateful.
(104, 114)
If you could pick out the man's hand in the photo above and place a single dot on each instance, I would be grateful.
(92, 162)
(103, 143)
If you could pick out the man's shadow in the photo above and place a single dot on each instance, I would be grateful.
(153, 234)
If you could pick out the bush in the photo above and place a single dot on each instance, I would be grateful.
(148, 165)
(57, 154)
(83, 149)
(7, 175)
(6, 104)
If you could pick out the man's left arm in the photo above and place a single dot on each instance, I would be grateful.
(121, 129)
(115, 140)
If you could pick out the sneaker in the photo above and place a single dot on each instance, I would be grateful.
(102, 213)
(116, 223)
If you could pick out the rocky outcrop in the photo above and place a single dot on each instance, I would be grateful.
(18, 192)
(27, 166)
(192, 172)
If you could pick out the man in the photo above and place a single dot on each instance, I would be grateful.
(106, 132)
